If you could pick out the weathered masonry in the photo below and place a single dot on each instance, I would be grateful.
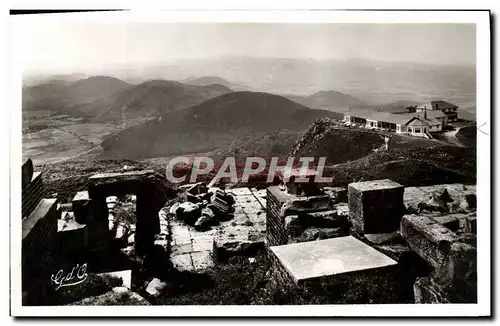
(39, 225)
(419, 240)
(135, 182)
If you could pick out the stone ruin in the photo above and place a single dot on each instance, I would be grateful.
(365, 234)
(90, 223)
(209, 224)
(387, 232)
(39, 225)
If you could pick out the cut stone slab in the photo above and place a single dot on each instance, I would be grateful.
(182, 263)
(376, 206)
(46, 207)
(32, 194)
(311, 260)
(118, 177)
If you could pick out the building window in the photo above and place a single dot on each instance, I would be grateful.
(417, 130)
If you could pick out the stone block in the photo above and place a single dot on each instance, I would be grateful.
(471, 223)
(82, 207)
(44, 215)
(325, 219)
(180, 249)
(449, 221)
(305, 204)
(375, 206)
(32, 194)
(308, 261)
(293, 225)
(426, 291)
(311, 234)
(429, 239)
(457, 274)
(194, 188)
(225, 247)
(337, 194)
(107, 184)
(182, 263)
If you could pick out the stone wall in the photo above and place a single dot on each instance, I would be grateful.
(279, 273)
(292, 218)
(454, 278)
(32, 194)
(138, 182)
(275, 221)
(39, 233)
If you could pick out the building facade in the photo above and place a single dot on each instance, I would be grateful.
(415, 124)
(449, 110)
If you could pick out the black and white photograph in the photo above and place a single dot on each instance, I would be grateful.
(181, 161)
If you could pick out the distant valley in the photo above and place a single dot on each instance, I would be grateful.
(245, 105)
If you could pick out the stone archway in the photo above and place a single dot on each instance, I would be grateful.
(117, 184)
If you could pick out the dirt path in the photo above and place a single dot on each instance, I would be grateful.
(451, 137)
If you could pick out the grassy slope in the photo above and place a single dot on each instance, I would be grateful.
(467, 136)
(68, 177)
(410, 161)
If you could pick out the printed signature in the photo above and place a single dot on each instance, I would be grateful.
(77, 275)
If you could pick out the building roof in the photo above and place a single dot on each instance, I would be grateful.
(436, 114)
(432, 117)
(437, 105)
(417, 122)
(400, 119)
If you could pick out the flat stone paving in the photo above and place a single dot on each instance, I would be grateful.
(310, 260)
(192, 250)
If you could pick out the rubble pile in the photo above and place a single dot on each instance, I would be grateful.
(201, 207)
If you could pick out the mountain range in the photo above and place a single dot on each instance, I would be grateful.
(212, 125)
(59, 95)
(149, 99)
(211, 80)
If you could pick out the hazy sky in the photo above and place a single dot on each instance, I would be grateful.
(74, 46)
